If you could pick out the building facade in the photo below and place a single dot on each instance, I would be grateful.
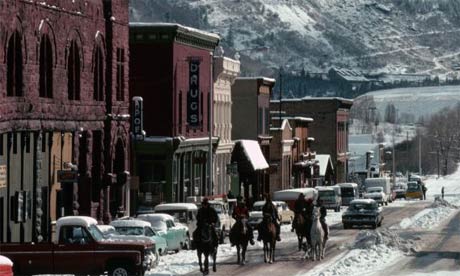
(281, 157)
(63, 84)
(171, 69)
(251, 120)
(225, 72)
(330, 127)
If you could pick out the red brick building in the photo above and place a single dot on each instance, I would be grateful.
(64, 105)
(171, 69)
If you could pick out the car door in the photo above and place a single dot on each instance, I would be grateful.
(75, 243)
(172, 234)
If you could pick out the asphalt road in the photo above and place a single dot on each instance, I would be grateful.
(289, 261)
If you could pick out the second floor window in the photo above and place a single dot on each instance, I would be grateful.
(14, 66)
(46, 68)
(98, 75)
(73, 72)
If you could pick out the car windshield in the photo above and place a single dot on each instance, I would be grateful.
(326, 193)
(95, 232)
(375, 190)
(347, 191)
(158, 225)
(179, 215)
(363, 206)
(413, 186)
(130, 231)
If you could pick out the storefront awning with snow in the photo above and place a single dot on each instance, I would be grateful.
(248, 155)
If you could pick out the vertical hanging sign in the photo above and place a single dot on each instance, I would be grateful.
(193, 97)
(137, 124)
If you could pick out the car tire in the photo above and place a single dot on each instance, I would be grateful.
(374, 225)
(346, 226)
(380, 223)
(186, 245)
(119, 269)
(386, 203)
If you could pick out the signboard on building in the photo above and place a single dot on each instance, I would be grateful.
(2, 176)
(193, 96)
(65, 176)
(138, 118)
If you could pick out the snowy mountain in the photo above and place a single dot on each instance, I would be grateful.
(371, 35)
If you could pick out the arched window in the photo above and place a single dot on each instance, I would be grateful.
(73, 72)
(14, 66)
(46, 68)
(98, 75)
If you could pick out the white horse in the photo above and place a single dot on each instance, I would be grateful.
(317, 241)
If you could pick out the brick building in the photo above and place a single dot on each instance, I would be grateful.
(281, 157)
(63, 89)
(330, 127)
(251, 121)
(171, 70)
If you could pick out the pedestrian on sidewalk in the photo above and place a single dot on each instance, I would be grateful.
(442, 192)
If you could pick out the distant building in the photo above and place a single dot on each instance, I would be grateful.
(387, 78)
(330, 127)
(281, 157)
(349, 80)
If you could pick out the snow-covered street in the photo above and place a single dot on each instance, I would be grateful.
(407, 229)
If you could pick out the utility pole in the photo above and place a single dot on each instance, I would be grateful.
(393, 161)
(281, 92)
(420, 154)
(210, 124)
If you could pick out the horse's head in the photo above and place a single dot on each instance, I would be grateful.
(316, 213)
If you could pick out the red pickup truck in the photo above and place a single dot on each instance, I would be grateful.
(80, 249)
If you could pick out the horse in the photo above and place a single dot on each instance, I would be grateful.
(318, 242)
(300, 228)
(207, 245)
(268, 231)
(239, 235)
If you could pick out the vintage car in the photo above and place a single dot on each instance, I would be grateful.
(107, 230)
(284, 213)
(140, 228)
(331, 197)
(164, 225)
(6, 266)
(377, 194)
(400, 190)
(414, 190)
(362, 212)
(184, 213)
(349, 192)
(78, 240)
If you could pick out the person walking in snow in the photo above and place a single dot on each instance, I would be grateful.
(442, 192)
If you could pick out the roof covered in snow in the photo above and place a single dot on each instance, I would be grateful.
(324, 160)
(76, 220)
(253, 153)
(129, 223)
(176, 206)
(155, 217)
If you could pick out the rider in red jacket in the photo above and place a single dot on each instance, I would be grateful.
(241, 212)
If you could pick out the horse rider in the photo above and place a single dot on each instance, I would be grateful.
(241, 212)
(270, 210)
(322, 218)
(206, 215)
(299, 209)
(309, 217)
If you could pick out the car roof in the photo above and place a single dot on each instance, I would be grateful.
(130, 223)
(322, 188)
(262, 202)
(156, 216)
(176, 206)
(363, 201)
(347, 184)
(76, 220)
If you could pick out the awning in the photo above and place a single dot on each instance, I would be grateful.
(253, 153)
(324, 161)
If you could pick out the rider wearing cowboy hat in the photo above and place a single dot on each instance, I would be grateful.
(270, 209)
(242, 212)
(206, 215)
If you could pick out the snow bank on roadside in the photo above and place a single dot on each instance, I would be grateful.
(371, 251)
(430, 217)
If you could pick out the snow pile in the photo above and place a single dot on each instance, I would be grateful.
(371, 251)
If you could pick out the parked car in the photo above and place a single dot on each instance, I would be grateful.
(78, 239)
(349, 192)
(284, 213)
(362, 212)
(184, 213)
(107, 230)
(400, 190)
(414, 190)
(377, 194)
(330, 196)
(225, 218)
(6, 266)
(140, 228)
(165, 226)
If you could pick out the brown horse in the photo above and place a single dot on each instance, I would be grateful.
(207, 245)
(300, 229)
(239, 235)
(268, 231)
